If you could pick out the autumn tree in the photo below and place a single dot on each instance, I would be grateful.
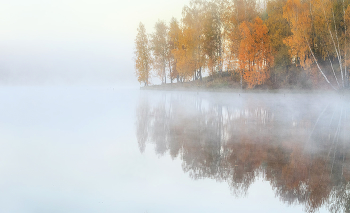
(255, 58)
(193, 23)
(293, 42)
(212, 33)
(234, 13)
(142, 55)
(318, 37)
(279, 30)
(160, 49)
(184, 54)
(173, 42)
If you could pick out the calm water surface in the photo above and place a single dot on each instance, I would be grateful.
(90, 149)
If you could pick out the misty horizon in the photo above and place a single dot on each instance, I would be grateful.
(79, 133)
(56, 63)
(72, 42)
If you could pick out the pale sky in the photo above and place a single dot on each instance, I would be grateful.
(74, 41)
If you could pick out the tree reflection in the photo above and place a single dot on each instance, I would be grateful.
(143, 119)
(301, 148)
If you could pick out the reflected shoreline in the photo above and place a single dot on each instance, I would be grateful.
(299, 143)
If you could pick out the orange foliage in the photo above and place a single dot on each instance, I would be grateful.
(297, 14)
(255, 58)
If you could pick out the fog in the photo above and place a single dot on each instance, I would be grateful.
(70, 63)
(104, 149)
(74, 42)
(298, 142)
(77, 134)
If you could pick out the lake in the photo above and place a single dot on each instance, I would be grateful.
(105, 149)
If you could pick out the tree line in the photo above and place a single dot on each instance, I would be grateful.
(277, 43)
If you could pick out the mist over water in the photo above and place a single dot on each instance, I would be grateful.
(298, 143)
(110, 149)
(77, 134)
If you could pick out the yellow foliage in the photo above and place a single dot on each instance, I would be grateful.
(143, 57)
(255, 58)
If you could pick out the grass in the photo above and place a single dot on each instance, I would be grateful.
(227, 82)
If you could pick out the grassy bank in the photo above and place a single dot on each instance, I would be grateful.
(220, 81)
(225, 82)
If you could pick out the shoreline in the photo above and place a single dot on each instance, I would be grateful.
(191, 88)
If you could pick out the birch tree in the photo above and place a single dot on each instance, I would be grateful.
(212, 42)
(173, 41)
(160, 49)
(319, 37)
(279, 30)
(142, 56)
(185, 54)
(193, 20)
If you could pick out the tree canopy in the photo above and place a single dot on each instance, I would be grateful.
(142, 55)
(280, 43)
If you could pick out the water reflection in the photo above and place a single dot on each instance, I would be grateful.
(299, 143)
